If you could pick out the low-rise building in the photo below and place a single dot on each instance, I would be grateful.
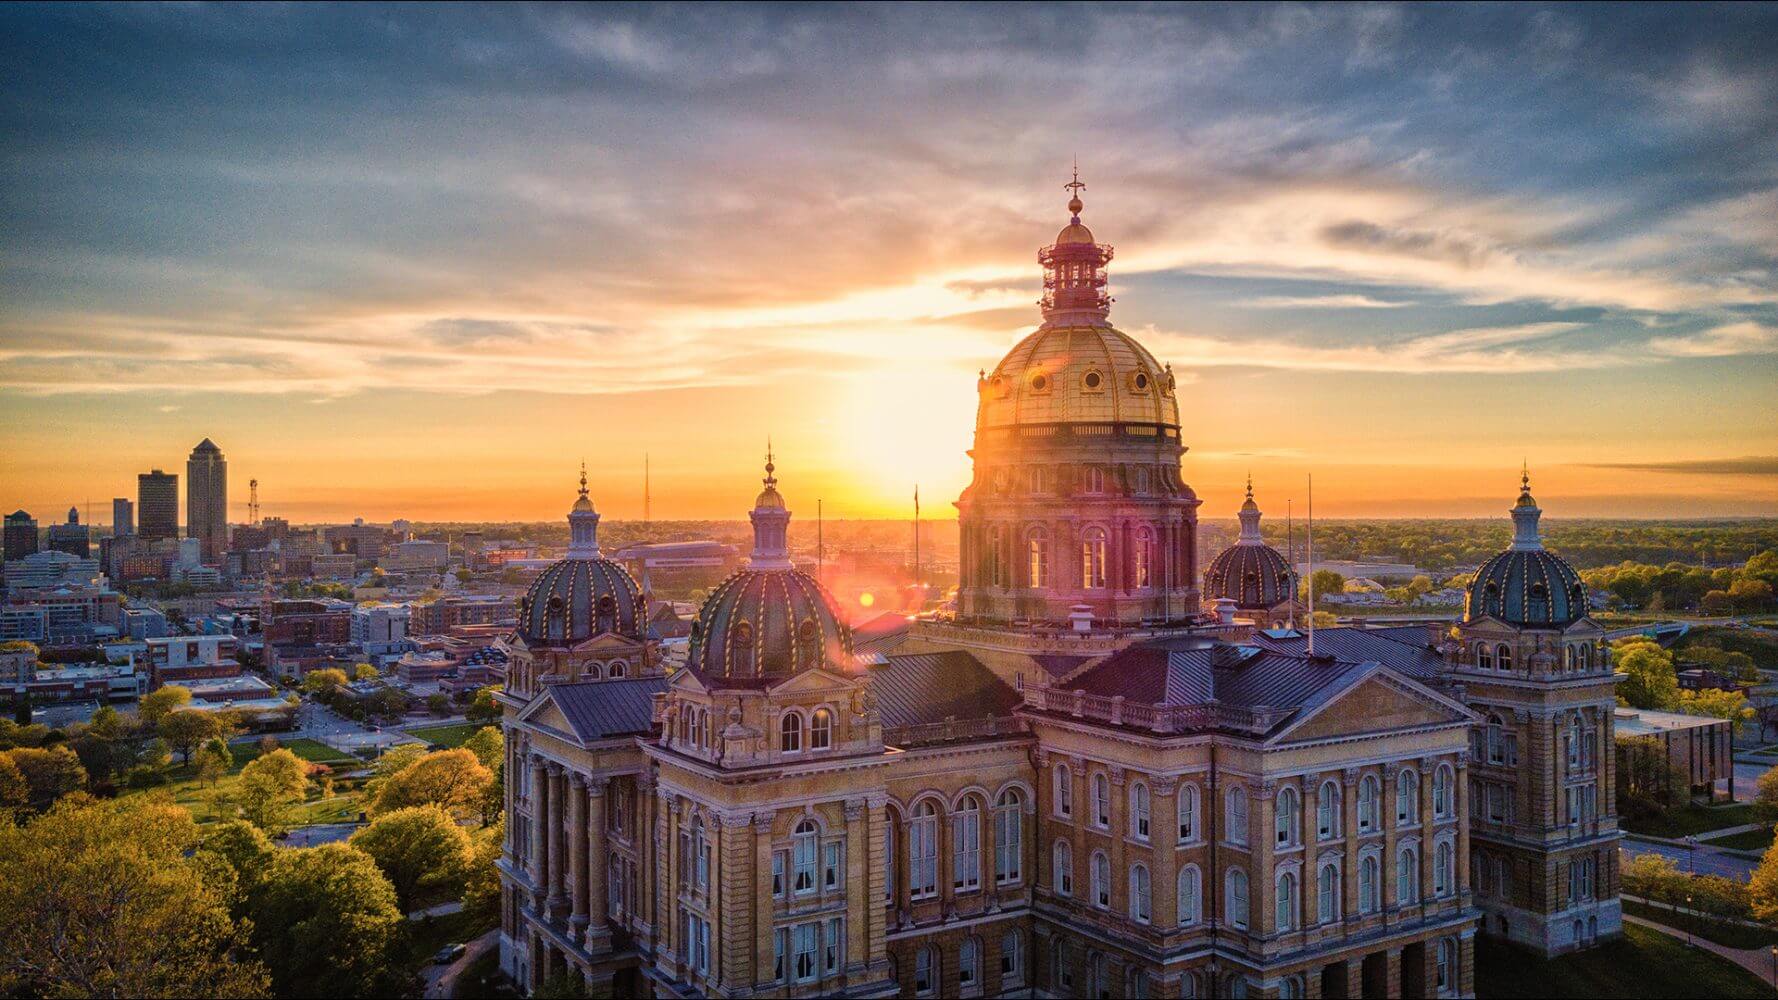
(1699, 747)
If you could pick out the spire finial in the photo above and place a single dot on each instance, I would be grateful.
(583, 477)
(770, 480)
(1250, 484)
(1075, 185)
(1525, 476)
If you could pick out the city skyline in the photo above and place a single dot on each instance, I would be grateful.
(1402, 261)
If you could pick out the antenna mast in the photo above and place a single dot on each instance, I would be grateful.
(1311, 611)
(1290, 547)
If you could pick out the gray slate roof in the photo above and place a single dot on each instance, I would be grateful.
(1405, 650)
(599, 710)
(918, 688)
(1194, 672)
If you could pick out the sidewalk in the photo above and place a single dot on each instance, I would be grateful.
(1755, 960)
(443, 982)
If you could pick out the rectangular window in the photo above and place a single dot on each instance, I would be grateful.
(803, 850)
(780, 945)
(832, 861)
(777, 874)
(803, 953)
(833, 947)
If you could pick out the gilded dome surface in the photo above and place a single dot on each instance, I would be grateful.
(767, 624)
(1067, 374)
(576, 599)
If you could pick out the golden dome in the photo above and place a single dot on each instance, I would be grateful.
(1074, 232)
(769, 499)
(1074, 374)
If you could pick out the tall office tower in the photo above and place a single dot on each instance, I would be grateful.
(123, 517)
(157, 505)
(21, 535)
(206, 499)
(73, 537)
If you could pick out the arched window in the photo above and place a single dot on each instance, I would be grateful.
(1101, 876)
(893, 876)
(1444, 801)
(1141, 894)
(790, 733)
(1444, 880)
(1061, 968)
(1064, 792)
(925, 971)
(966, 846)
(1009, 848)
(808, 644)
(1407, 797)
(969, 963)
(1235, 816)
(701, 851)
(804, 846)
(1290, 988)
(1101, 800)
(1099, 974)
(1190, 893)
(618, 669)
(740, 652)
(1407, 875)
(1139, 818)
(821, 730)
(1369, 886)
(1092, 558)
(1484, 657)
(1139, 476)
(1142, 558)
(923, 851)
(1370, 804)
(607, 613)
(1503, 654)
(1037, 557)
(1496, 745)
(1327, 810)
(1447, 964)
(1286, 900)
(1235, 897)
(1188, 813)
(1012, 958)
(997, 556)
(1095, 479)
(1327, 893)
(1037, 481)
(1062, 863)
(1288, 818)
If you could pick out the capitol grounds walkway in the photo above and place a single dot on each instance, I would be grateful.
(1759, 961)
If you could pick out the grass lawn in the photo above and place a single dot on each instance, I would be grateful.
(208, 803)
(1643, 963)
(1752, 840)
(1732, 935)
(1691, 819)
(449, 737)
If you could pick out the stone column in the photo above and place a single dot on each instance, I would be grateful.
(764, 905)
(1462, 792)
(875, 953)
(1392, 989)
(1164, 833)
(558, 897)
(539, 869)
(863, 894)
(1355, 976)
(1041, 876)
(1120, 828)
(1262, 915)
(1350, 778)
(987, 839)
(1428, 848)
(667, 882)
(577, 857)
(598, 856)
(647, 822)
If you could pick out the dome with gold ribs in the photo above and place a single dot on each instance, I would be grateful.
(1250, 572)
(1527, 585)
(769, 620)
(583, 595)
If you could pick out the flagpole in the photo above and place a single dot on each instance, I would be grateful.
(1290, 547)
(1311, 611)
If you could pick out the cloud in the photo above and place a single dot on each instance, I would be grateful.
(1320, 302)
(1750, 466)
(1719, 342)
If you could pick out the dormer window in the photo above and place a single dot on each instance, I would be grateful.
(790, 733)
(741, 648)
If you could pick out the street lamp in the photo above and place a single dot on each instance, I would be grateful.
(1688, 921)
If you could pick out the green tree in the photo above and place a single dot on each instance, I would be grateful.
(213, 760)
(49, 773)
(326, 923)
(245, 849)
(421, 849)
(1327, 582)
(1762, 887)
(481, 880)
(365, 672)
(103, 899)
(451, 779)
(324, 681)
(14, 792)
(186, 728)
(157, 705)
(483, 709)
(1651, 682)
(488, 746)
(1765, 796)
(269, 786)
(1730, 705)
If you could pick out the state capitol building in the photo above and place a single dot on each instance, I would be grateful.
(1106, 772)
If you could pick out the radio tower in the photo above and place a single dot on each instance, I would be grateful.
(253, 502)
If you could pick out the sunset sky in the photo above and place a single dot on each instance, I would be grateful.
(420, 262)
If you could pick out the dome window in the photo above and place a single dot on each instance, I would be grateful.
(808, 643)
(741, 653)
(1040, 382)
(1139, 381)
(1093, 382)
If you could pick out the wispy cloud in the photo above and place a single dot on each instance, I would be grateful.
(1757, 465)
(1352, 301)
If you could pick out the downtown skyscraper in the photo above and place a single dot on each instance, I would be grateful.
(206, 499)
(157, 505)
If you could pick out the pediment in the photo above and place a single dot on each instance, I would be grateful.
(687, 680)
(605, 641)
(819, 679)
(1379, 701)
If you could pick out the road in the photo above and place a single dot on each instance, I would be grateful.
(1747, 773)
(1703, 859)
(441, 980)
